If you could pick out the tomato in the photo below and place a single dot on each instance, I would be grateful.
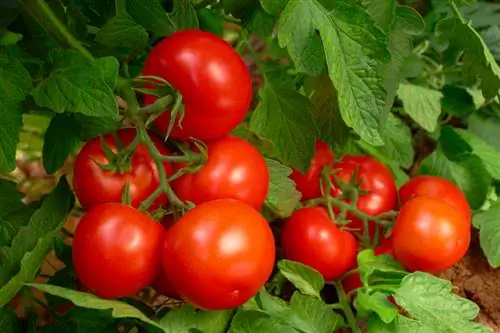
(436, 187)
(94, 185)
(430, 235)
(234, 170)
(219, 254)
(116, 250)
(311, 238)
(374, 178)
(308, 184)
(211, 77)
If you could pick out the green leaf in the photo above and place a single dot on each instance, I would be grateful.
(398, 140)
(282, 197)
(10, 198)
(77, 88)
(457, 101)
(251, 321)
(477, 58)
(211, 21)
(430, 300)
(89, 301)
(313, 310)
(273, 7)
(109, 67)
(382, 12)
(151, 15)
(9, 321)
(354, 48)
(20, 262)
(184, 15)
(95, 126)
(186, 318)
(307, 280)
(482, 14)
(468, 173)
(121, 32)
(486, 128)
(422, 104)
(15, 85)
(260, 22)
(491, 37)
(93, 321)
(284, 117)
(377, 268)
(489, 233)
(61, 139)
(377, 302)
(7, 232)
(400, 325)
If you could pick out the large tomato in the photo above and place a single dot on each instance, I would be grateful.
(219, 254)
(117, 250)
(430, 235)
(375, 180)
(311, 238)
(309, 183)
(161, 284)
(95, 185)
(234, 170)
(436, 187)
(212, 78)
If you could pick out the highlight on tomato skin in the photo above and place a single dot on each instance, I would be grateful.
(212, 78)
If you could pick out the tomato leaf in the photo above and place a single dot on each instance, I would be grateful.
(10, 198)
(457, 101)
(251, 321)
(15, 85)
(186, 318)
(122, 32)
(93, 321)
(430, 300)
(260, 22)
(379, 268)
(306, 279)
(398, 146)
(352, 67)
(316, 313)
(91, 127)
(184, 15)
(20, 262)
(489, 233)
(282, 197)
(422, 104)
(477, 58)
(486, 128)
(61, 139)
(89, 301)
(211, 21)
(284, 117)
(9, 321)
(400, 325)
(151, 15)
(273, 7)
(77, 88)
(377, 302)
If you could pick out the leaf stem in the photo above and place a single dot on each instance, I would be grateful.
(346, 308)
(457, 12)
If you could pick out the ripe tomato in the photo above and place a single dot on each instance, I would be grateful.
(374, 178)
(234, 170)
(309, 183)
(220, 254)
(436, 187)
(116, 250)
(311, 238)
(212, 78)
(94, 185)
(430, 235)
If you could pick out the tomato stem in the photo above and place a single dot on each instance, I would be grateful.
(346, 307)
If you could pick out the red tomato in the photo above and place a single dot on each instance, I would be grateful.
(311, 238)
(309, 183)
(220, 254)
(94, 185)
(234, 170)
(374, 178)
(430, 235)
(116, 250)
(435, 187)
(212, 78)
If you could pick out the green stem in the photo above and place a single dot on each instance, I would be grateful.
(158, 106)
(42, 13)
(457, 12)
(346, 308)
(255, 56)
(120, 6)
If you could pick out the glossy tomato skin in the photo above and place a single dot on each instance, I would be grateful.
(234, 170)
(375, 178)
(308, 184)
(116, 250)
(212, 78)
(311, 238)
(430, 235)
(221, 253)
(94, 185)
(435, 187)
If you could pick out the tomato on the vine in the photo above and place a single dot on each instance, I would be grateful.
(308, 184)
(375, 180)
(96, 185)
(219, 254)
(430, 235)
(117, 250)
(234, 170)
(310, 237)
(436, 187)
(212, 78)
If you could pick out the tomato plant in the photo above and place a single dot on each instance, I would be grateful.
(219, 254)
(107, 235)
